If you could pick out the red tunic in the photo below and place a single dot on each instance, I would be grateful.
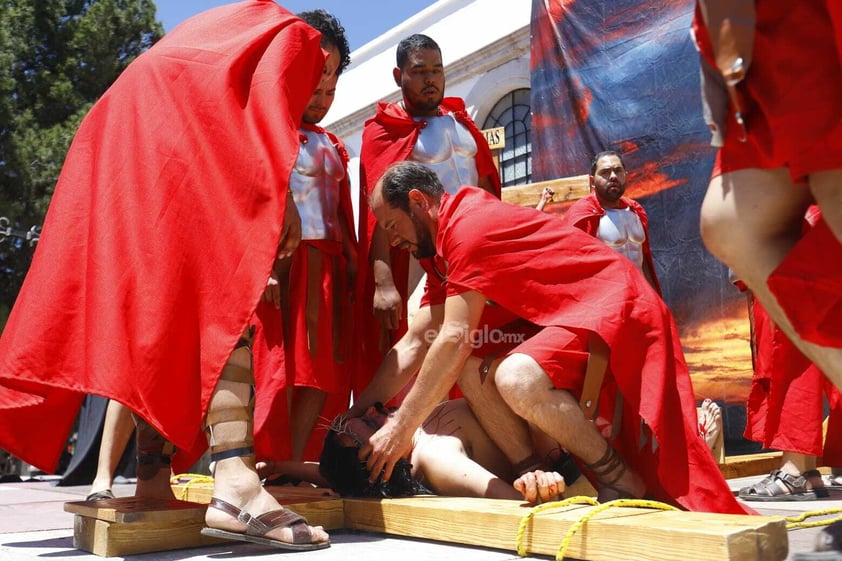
(793, 108)
(389, 137)
(785, 408)
(162, 230)
(553, 275)
(586, 213)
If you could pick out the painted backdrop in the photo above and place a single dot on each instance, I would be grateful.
(623, 75)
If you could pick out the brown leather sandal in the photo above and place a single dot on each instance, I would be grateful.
(782, 486)
(258, 526)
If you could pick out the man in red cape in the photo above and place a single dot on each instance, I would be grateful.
(628, 233)
(391, 136)
(772, 86)
(573, 288)
(170, 209)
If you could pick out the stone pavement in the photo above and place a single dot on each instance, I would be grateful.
(34, 526)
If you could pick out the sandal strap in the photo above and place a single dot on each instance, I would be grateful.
(263, 524)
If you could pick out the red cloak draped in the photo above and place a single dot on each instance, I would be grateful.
(551, 274)
(162, 230)
(785, 408)
(587, 211)
(788, 126)
(389, 137)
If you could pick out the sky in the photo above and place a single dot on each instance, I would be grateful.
(363, 20)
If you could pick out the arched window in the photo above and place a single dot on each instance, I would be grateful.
(513, 112)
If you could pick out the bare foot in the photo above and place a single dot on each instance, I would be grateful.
(710, 427)
(540, 486)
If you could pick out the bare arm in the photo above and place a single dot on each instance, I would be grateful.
(388, 306)
(402, 361)
(440, 370)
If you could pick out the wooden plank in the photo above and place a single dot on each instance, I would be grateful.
(617, 534)
(567, 189)
(115, 539)
(750, 464)
(132, 525)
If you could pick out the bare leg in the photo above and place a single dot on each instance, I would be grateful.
(750, 220)
(307, 404)
(153, 462)
(230, 426)
(527, 389)
(507, 430)
(116, 431)
(710, 427)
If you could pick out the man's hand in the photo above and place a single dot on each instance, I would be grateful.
(383, 450)
(388, 306)
(540, 486)
(291, 229)
(272, 292)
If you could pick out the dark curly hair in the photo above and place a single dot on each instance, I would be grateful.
(348, 475)
(333, 34)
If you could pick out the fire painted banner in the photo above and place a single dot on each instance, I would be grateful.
(624, 75)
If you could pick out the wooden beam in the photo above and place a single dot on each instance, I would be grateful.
(616, 534)
(131, 525)
(750, 464)
(565, 188)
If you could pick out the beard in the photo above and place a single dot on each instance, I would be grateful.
(424, 245)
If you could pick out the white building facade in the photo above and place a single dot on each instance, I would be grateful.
(485, 47)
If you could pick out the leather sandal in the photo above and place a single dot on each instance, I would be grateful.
(782, 486)
(258, 526)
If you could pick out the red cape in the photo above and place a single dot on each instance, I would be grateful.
(587, 211)
(389, 137)
(162, 230)
(539, 269)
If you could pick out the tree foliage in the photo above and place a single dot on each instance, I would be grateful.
(57, 57)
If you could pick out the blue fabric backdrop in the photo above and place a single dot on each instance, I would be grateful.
(624, 75)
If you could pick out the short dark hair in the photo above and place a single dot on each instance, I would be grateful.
(602, 155)
(403, 177)
(348, 476)
(412, 43)
(333, 34)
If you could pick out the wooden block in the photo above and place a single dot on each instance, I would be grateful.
(617, 534)
(132, 525)
(750, 464)
(566, 189)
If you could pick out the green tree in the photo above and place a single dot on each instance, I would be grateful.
(57, 57)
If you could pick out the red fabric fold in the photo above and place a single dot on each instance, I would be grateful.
(808, 286)
(163, 227)
(540, 270)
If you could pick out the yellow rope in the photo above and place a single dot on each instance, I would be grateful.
(794, 522)
(521, 549)
(188, 480)
(642, 503)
